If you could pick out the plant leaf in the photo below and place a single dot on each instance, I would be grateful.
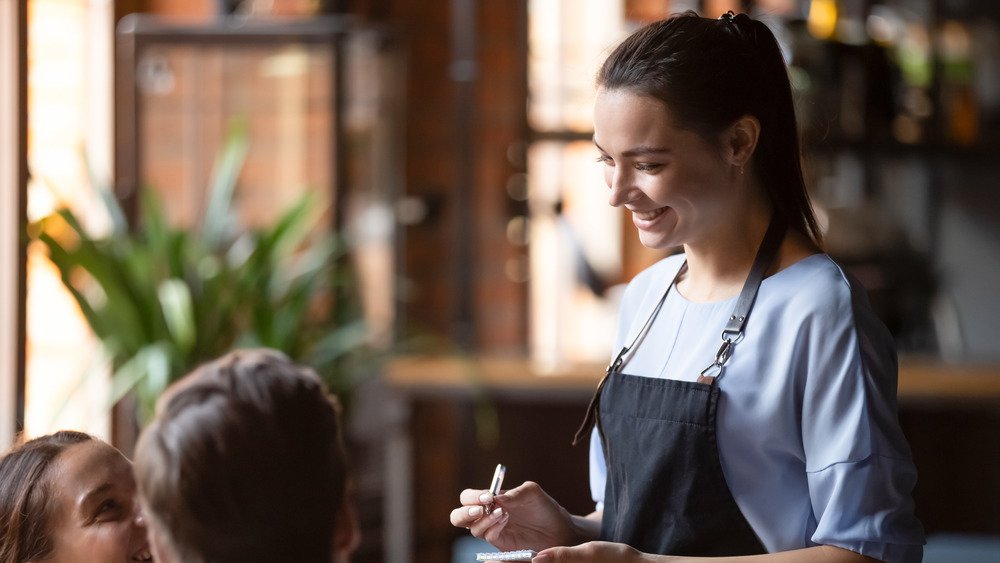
(175, 302)
(149, 363)
(339, 342)
(218, 221)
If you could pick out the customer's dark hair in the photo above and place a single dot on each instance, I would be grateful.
(25, 496)
(711, 73)
(244, 462)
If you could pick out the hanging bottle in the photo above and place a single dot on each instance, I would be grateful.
(960, 108)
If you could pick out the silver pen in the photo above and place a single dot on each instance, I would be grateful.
(495, 484)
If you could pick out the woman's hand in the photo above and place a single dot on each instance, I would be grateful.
(595, 551)
(522, 518)
(621, 553)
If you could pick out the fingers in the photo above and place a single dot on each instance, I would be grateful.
(478, 521)
(475, 503)
(550, 555)
(563, 555)
(588, 552)
(525, 490)
(470, 497)
(490, 526)
(476, 518)
(475, 496)
(474, 515)
(464, 516)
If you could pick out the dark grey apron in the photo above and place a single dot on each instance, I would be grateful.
(665, 491)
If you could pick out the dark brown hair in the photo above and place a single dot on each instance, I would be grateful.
(25, 496)
(244, 462)
(711, 73)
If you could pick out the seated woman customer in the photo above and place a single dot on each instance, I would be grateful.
(244, 462)
(69, 498)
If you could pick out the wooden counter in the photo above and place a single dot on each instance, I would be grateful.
(510, 375)
(923, 380)
(920, 380)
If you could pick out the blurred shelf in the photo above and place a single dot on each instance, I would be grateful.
(978, 151)
(933, 381)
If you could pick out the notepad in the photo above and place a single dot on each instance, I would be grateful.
(519, 555)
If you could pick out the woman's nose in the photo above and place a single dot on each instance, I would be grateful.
(622, 191)
(139, 519)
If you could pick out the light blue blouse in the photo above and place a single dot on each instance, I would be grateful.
(807, 430)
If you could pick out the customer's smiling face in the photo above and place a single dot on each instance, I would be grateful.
(94, 511)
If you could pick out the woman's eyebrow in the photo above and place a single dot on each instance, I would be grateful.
(641, 150)
(93, 495)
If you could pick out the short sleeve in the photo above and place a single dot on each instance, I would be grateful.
(859, 471)
(865, 506)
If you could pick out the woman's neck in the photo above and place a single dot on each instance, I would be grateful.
(717, 266)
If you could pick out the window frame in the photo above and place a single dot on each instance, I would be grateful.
(13, 195)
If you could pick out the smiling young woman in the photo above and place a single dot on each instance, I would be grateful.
(785, 447)
(69, 498)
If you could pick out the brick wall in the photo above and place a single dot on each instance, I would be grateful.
(492, 317)
(498, 122)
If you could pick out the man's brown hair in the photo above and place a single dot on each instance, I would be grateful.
(244, 462)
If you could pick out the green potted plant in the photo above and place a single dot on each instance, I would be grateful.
(163, 299)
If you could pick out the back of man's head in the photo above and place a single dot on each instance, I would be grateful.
(244, 462)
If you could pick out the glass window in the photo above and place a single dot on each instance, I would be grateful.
(581, 248)
(69, 139)
(575, 252)
(190, 95)
(566, 42)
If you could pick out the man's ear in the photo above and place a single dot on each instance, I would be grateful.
(739, 141)
(346, 533)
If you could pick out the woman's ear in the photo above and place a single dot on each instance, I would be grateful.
(346, 533)
(740, 140)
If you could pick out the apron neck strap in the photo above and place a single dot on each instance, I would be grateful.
(765, 256)
(590, 419)
(731, 333)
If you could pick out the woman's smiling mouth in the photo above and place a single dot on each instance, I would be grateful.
(649, 215)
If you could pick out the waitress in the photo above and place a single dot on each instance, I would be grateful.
(749, 411)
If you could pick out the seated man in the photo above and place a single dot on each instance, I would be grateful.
(244, 462)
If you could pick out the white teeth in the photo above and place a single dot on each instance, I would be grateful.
(143, 555)
(649, 215)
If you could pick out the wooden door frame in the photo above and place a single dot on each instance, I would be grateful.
(13, 218)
